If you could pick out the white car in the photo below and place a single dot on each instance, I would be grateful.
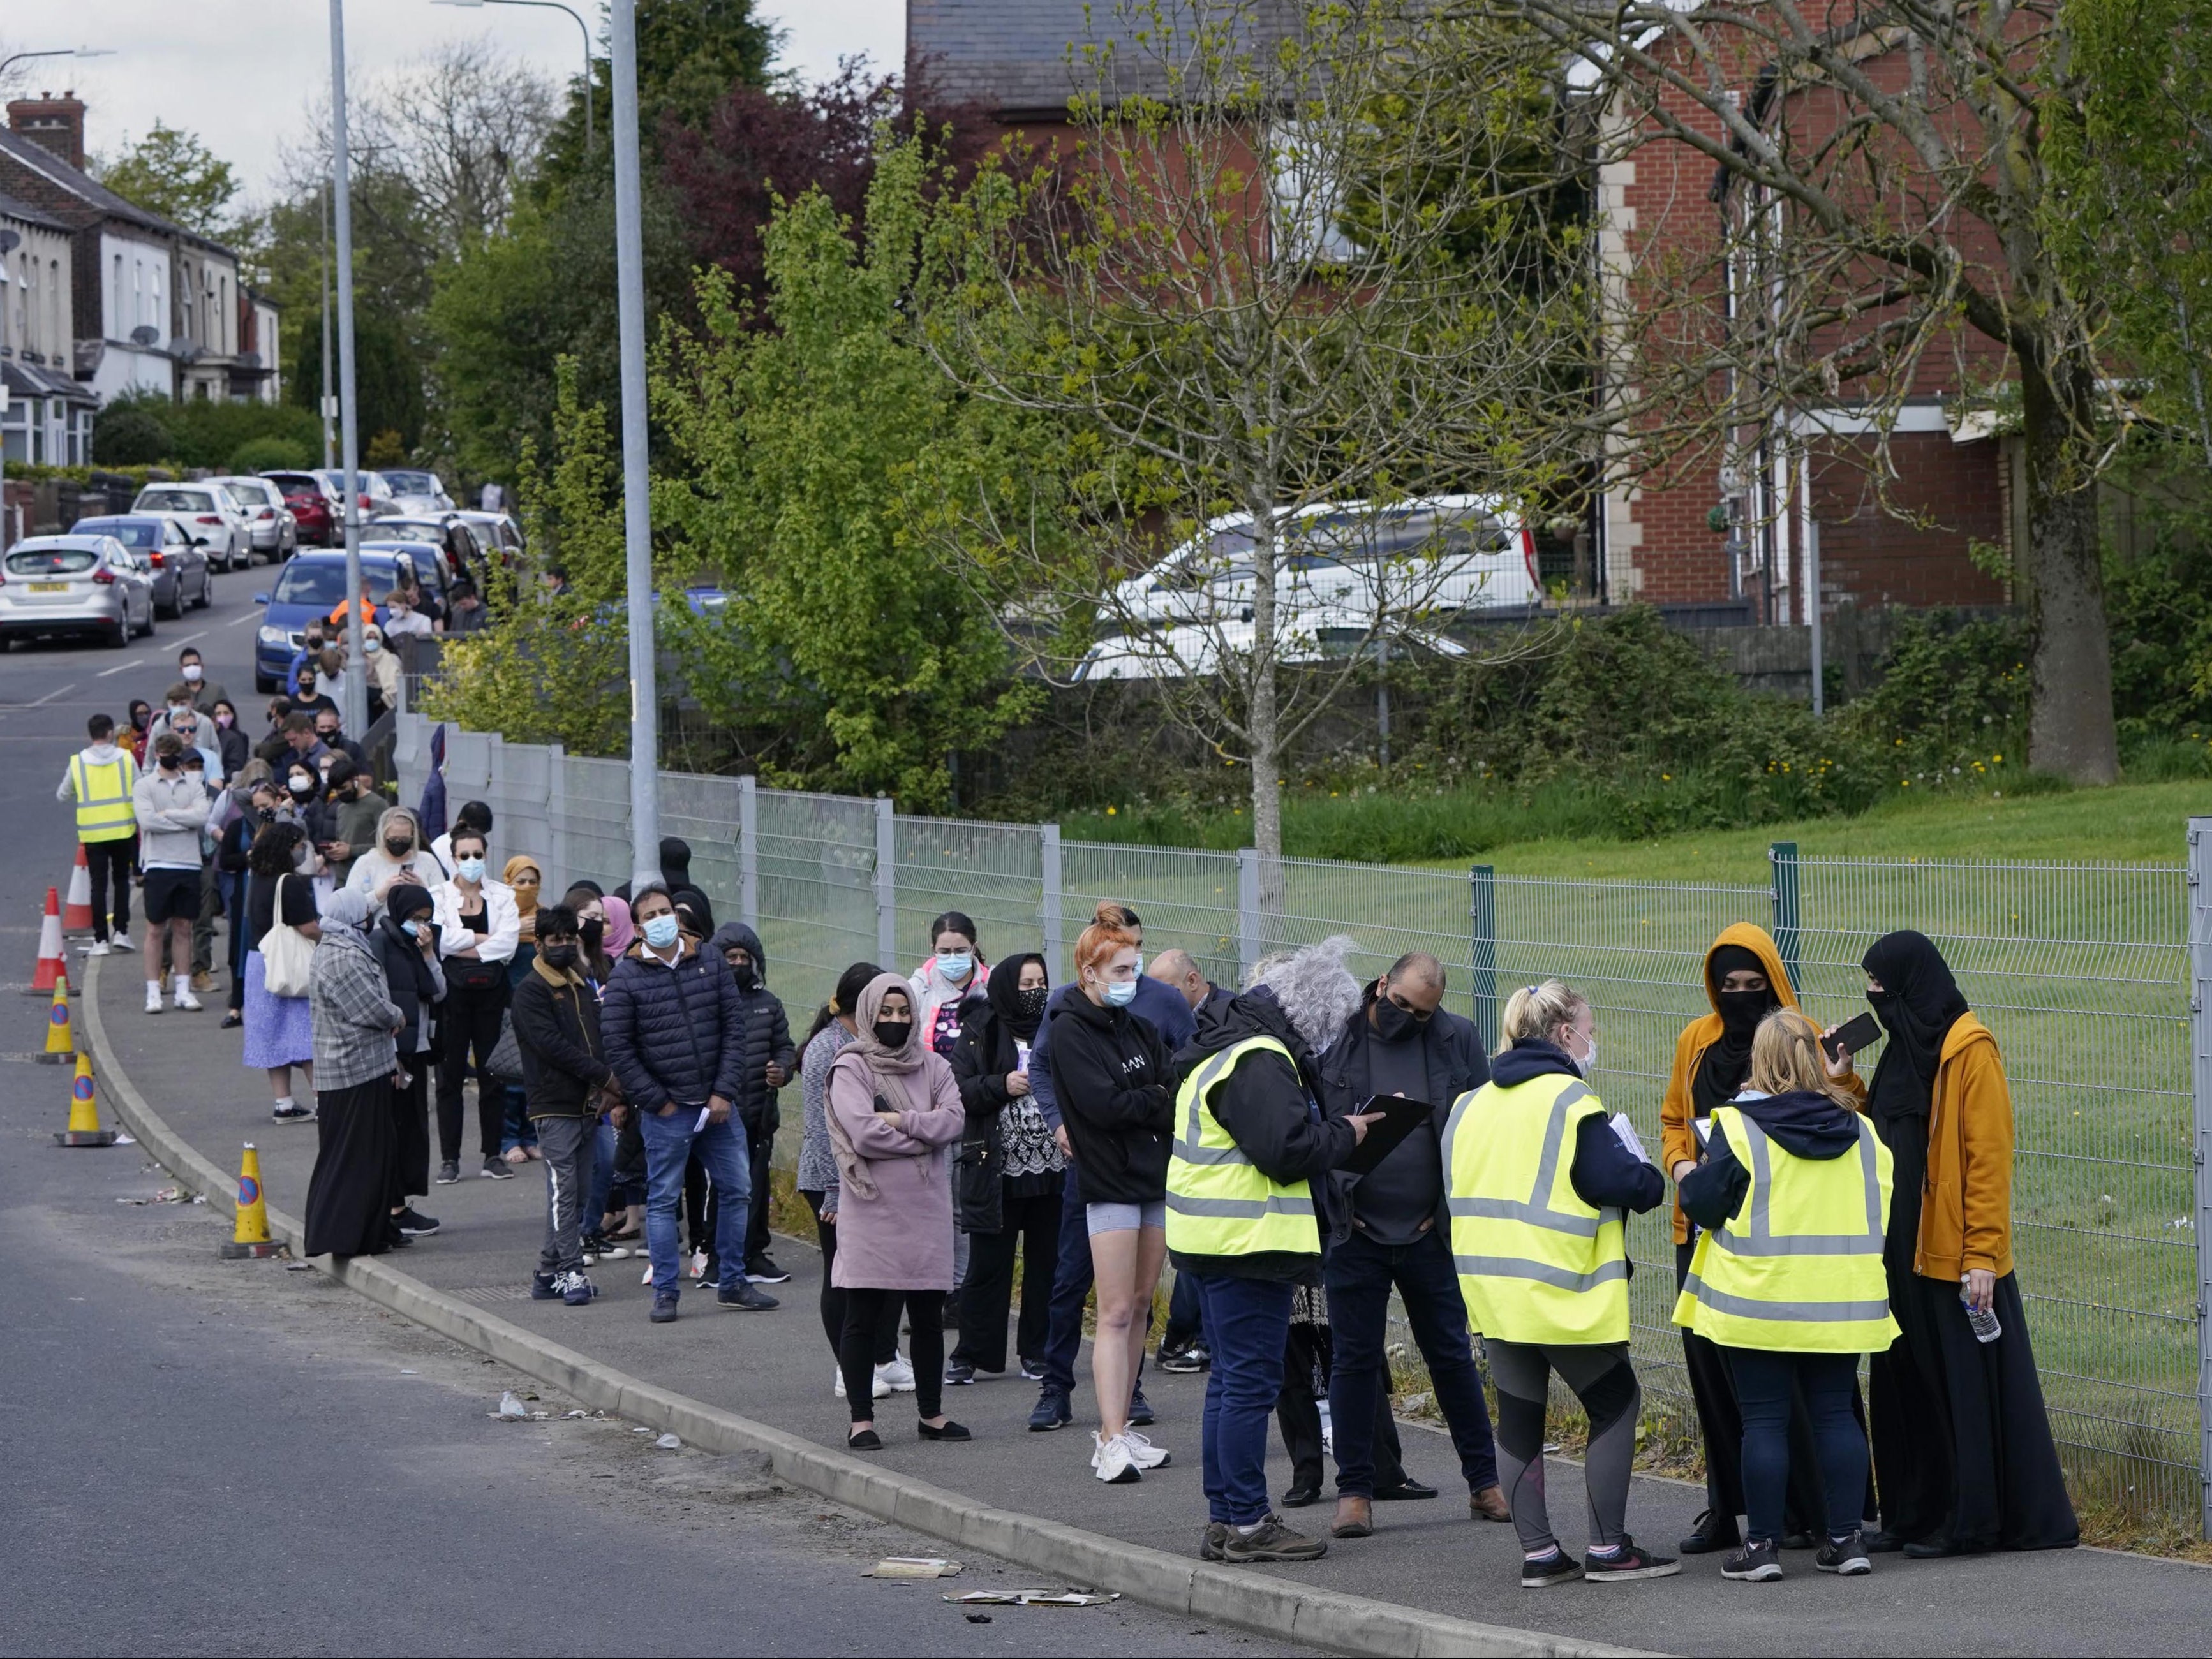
(275, 533)
(1191, 651)
(1419, 559)
(209, 515)
(375, 492)
(419, 493)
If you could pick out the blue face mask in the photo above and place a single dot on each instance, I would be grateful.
(471, 870)
(957, 966)
(1120, 993)
(412, 930)
(660, 932)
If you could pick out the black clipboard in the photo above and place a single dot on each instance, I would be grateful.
(1401, 1118)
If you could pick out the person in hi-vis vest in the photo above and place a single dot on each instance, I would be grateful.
(99, 781)
(1540, 1180)
(1242, 1222)
(1792, 1198)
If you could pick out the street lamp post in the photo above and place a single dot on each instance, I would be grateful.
(326, 400)
(10, 61)
(637, 480)
(582, 27)
(354, 714)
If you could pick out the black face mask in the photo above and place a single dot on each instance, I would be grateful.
(266, 815)
(1395, 1025)
(399, 847)
(558, 956)
(893, 1033)
(748, 976)
(592, 933)
(1742, 1010)
(1033, 1001)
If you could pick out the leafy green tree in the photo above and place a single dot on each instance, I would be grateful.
(169, 172)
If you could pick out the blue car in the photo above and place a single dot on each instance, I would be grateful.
(313, 585)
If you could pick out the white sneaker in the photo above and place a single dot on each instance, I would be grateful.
(898, 1373)
(1142, 1451)
(881, 1385)
(1112, 1461)
(153, 999)
(121, 940)
(839, 1388)
(698, 1265)
(97, 947)
(187, 1001)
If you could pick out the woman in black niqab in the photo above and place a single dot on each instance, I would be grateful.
(1918, 1003)
(1727, 1060)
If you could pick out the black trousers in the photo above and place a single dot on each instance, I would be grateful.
(410, 1119)
(468, 1025)
(1307, 1360)
(1032, 1225)
(856, 1349)
(760, 1144)
(111, 861)
(833, 1299)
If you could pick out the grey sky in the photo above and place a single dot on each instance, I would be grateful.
(238, 72)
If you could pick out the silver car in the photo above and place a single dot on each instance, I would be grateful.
(209, 514)
(181, 571)
(419, 494)
(75, 584)
(275, 533)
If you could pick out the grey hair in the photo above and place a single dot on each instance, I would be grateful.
(1316, 990)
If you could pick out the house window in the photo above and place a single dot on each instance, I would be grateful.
(15, 430)
(1309, 200)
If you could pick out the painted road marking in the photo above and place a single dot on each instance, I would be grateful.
(119, 668)
(51, 697)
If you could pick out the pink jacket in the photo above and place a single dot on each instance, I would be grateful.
(901, 1238)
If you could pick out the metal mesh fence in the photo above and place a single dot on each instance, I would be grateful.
(2079, 970)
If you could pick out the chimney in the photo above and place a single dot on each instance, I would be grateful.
(57, 124)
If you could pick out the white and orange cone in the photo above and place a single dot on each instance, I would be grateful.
(76, 909)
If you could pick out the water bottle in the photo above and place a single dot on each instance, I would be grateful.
(1982, 1321)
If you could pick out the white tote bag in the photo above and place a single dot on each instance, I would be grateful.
(286, 952)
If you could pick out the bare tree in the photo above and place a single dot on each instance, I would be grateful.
(1880, 225)
(1240, 283)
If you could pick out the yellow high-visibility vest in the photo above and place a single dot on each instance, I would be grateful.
(1799, 1269)
(1219, 1201)
(104, 808)
(1536, 1262)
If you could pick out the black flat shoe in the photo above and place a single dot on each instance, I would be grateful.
(865, 1440)
(232, 1021)
(1300, 1497)
(1931, 1549)
(951, 1431)
(1884, 1543)
(1712, 1533)
(1405, 1492)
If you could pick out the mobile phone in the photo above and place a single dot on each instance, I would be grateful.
(1853, 1035)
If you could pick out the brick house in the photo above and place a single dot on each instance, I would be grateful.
(155, 307)
(48, 417)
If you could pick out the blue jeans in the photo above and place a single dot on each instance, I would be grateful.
(670, 1141)
(1182, 1317)
(1071, 1288)
(1246, 1322)
(1763, 1383)
(515, 1128)
(1359, 1273)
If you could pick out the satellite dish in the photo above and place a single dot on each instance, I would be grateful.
(249, 359)
(9, 238)
(145, 334)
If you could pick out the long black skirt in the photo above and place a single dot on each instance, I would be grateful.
(411, 1127)
(349, 1195)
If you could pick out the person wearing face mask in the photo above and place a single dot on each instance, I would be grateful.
(313, 637)
(676, 1037)
(1544, 1269)
(229, 739)
(279, 1030)
(770, 1058)
(569, 1081)
(257, 796)
(140, 715)
(381, 668)
(356, 810)
(395, 854)
(477, 929)
(405, 940)
(1745, 980)
(952, 974)
(591, 907)
(1009, 1174)
(171, 811)
(893, 1110)
(101, 782)
(1962, 1450)
(404, 618)
(348, 1210)
(518, 1129)
(331, 734)
(1390, 1228)
(311, 691)
(205, 693)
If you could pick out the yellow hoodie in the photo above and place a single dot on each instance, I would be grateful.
(1678, 1142)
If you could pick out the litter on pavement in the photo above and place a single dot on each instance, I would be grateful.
(913, 1566)
(512, 1410)
(668, 1443)
(1034, 1598)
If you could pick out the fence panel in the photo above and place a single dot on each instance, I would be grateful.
(816, 874)
(1188, 900)
(991, 873)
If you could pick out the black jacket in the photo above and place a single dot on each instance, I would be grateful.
(557, 1033)
(767, 1034)
(1806, 1125)
(674, 1035)
(1116, 1082)
(1451, 1050)
(1266, 1106)
(1604, 1171)
(407, 977)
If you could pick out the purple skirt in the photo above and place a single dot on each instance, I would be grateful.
(280, 1030)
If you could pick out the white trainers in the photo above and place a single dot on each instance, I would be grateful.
(97, 947)
(897, 1374)
(121, 940)
(1111, 1461)
(1142, 1451)
(838, 1388)
(881, 1384)
(153, 998)
(698, 1270)
(187, 1001)
(879, 1388)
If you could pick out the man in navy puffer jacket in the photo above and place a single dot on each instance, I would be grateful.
(675, 1031)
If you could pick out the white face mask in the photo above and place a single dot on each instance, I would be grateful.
(193, 672)
(1588, 1062)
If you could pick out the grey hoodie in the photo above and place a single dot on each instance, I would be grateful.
(172, 812)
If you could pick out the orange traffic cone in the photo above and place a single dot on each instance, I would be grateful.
(250, 1237)
(84, 1129)
(52, 970)
(76, 912)
(61, 1039)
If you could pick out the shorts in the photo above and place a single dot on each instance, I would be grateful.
(171, 895)
(1125, 1218)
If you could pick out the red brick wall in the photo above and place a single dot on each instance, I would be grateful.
(1873, 558)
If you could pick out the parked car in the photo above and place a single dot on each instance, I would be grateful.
(208, 513)
(497, 531)
(315, 510)
(417, 492)
(1347, 560)
(376, 496)
(1194, 650)
(313, 585)
(181, 571)
(276, 534)
(75, 584)
(447, 532)
(430, 574)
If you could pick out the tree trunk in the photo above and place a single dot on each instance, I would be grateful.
(1264, 718)
(2069, 730)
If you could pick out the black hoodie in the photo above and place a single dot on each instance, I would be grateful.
(986, 1052)
(1116, 1082)
(1605, 1173)
(1267, 1106)
(768, 1034)
(1804, 1123)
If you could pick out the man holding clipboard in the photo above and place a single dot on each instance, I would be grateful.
(1405, 1055)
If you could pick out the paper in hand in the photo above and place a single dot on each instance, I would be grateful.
(702, 1124)
(1626, 1132)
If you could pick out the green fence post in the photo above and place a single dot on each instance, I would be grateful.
(1482, 915)
(1783, 854)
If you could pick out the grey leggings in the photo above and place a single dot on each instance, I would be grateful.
(1601, 1378)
